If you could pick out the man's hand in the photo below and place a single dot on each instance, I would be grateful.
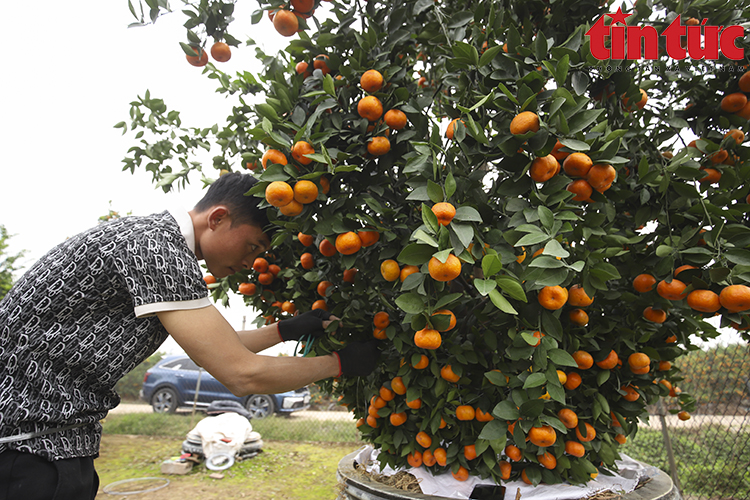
(358, 359)
(312, 323)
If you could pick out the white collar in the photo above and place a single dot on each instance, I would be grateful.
(186, 226)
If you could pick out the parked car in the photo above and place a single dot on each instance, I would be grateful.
(171, 384)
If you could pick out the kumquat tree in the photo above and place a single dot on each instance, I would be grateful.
(532, 234)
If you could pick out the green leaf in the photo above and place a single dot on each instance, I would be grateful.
(274, 172)
(643, 168)
(557, 103)
(512, 287)
(491, 265)
(460, 19)
(467, 214)
(484, 287)
(535, 380)
(447, 299)
(546, 217)
(561, 72)
(606, 271)
(496, 378)
(257, 16)
(555, 249)
(602, 401)
(532, 239)
(507, 93)
(411, 303)
(489, 55)
(540, 46)
(267, 111)
(443, 255)
(493, 430)
(435, 192)
(501, 302)
(738, 256)
(465, 233)
(506, 410)
(664, 250)
(561, 358)
(425, 238)
(583, 119)
(429, 218)
(546, 262)
(465, 54)
(479, 104)
(415, 254)
(532, 409)
(450, 186)
(580, 82)
(574, 144)
(419, 194)
(328, 85)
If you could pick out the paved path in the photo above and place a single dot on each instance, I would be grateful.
(734, 422)
(297, 415)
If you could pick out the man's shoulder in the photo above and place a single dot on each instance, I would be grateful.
(156, 221)
(142, 229)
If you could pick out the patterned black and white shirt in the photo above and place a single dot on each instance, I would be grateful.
(81, 318)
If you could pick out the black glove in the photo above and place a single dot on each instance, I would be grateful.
(358, 358)
(309, 323)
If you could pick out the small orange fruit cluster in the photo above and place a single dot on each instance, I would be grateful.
(430, 338)
(220, 51)
(737, 102)
(380, 322)
(371, 108)
(640, 104)
(734, 298)
(589, 177)
(287, 22)
(578, 298)
(555, 297)
(306, 69)
(291, 201)
(543, 168)
(385, 402)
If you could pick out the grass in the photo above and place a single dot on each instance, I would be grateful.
(711, 461)
(298, 461)
(272, 428)
(285, 470)
(283, 428)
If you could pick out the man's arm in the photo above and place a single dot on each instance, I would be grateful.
(311, 323)
(260, 338)
(210, 341)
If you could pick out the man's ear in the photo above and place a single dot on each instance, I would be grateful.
(217, 215)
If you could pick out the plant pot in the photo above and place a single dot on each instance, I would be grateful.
(355, 485)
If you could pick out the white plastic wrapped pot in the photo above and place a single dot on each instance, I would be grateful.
(354, 485)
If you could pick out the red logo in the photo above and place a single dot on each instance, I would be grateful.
(626, 40)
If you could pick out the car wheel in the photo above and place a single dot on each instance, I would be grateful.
(260, 405)
(164, 400)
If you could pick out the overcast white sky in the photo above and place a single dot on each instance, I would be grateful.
(70, 71)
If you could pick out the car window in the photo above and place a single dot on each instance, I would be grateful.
(181, 364)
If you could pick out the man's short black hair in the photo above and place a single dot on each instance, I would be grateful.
(230, 190)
